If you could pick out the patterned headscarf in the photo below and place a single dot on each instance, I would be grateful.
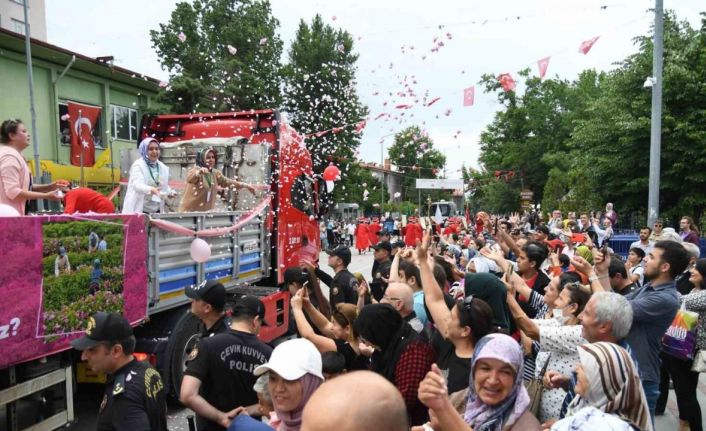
(201, 157)
(144, 151)
(481, 416)
(614, 385)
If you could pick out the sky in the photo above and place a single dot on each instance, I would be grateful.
(399, 47)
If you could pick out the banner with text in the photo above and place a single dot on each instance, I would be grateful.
(60, 270)
(439, 184)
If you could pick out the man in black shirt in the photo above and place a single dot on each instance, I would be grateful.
(343, 286)
(218, 381)
(381, 269)
(208, 300)
(618, 276)
(134, 397)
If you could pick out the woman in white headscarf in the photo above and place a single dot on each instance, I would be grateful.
(149, 181)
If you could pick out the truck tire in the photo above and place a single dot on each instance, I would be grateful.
(183, 339)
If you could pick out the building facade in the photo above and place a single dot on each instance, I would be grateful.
(12, 17)
(60, 77)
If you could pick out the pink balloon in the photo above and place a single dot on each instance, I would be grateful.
(8, 211)
(200, 250)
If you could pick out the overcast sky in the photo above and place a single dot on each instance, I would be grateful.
(396, 39)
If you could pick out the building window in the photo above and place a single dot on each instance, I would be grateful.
(18, 26)
(65, 127)
(123, 123)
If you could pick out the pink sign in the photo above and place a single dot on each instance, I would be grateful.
(32, 271)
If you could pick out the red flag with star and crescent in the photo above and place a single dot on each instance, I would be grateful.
(543, 64)
(83, 120)
(469, 95)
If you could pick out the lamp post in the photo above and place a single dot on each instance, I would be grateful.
(656, 121)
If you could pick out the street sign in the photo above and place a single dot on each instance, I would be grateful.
(439, 184)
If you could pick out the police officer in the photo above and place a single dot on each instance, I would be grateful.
(218, 381)
(134, 397)
(381, 269)
(343, 286)
(208, 299)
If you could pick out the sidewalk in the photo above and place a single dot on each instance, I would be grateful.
(670, 420)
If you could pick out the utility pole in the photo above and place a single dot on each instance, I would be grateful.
(33, 112)
(656, 131)
(382, 186)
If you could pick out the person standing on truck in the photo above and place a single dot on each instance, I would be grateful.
(134, 397)
(208, 300)
(149, 181)
(218, 381)
(343, 286)
(15, 178)
(203, 181)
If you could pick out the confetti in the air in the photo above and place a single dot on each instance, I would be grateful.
(233, 50)
(182, 36)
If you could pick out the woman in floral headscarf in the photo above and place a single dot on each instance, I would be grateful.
(609, 394)
(149, 181)
(497, 399)
(202, 182)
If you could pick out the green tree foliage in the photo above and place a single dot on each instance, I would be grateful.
(415, 156)
(320, 94)
(580, 144)
(228, 61)
(357, 181)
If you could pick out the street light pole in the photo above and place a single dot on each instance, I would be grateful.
(382, 186)
(33, 112)
(656, 131)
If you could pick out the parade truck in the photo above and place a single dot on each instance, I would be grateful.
(53, 278)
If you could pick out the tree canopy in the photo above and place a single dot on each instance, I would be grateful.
(582, 143)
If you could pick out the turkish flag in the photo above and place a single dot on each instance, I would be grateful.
(543, 64)
(506, 82)
(83, 119)
(587, 44)
(469, 95)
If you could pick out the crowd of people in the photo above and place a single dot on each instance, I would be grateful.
(477, 327)
(496, 323)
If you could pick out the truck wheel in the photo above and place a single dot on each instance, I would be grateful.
(185, 337)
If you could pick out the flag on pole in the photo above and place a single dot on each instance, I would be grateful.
(586, 45)
(543, 64)
(438, 218)
(82, 120)
(469, 96)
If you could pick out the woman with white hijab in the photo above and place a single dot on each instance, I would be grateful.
(149, 181)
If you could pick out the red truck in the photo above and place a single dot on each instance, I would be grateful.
(146, 264)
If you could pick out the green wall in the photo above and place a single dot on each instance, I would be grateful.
(78, 84)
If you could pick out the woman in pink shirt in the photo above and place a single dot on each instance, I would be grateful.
(14, 173)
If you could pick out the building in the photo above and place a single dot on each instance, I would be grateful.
(60, 77)
(12, 17)
(387, 175)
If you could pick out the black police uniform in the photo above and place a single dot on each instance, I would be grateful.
(221, 326)
(378, 285)
(344, 287)
(225, 363)
(134, 400)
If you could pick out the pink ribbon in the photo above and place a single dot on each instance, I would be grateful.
(219, 231)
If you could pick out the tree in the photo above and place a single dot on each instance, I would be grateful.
(320, 95)
(228, 60)
(414, 155)
(359, 181)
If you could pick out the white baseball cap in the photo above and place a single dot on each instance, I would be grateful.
(292, 359)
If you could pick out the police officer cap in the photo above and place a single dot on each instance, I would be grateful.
(343, 252)
(210, 292)
(103, 327)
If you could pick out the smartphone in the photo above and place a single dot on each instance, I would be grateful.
(605, 250)
(508, 272)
